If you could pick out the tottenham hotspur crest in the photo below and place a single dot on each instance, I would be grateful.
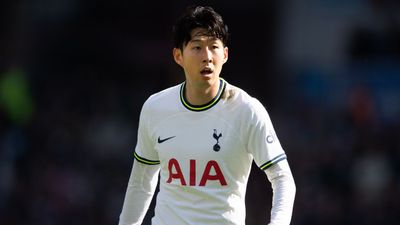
(216, 137)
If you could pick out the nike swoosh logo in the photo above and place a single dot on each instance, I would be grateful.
(162, 140)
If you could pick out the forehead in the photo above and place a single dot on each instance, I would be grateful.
(201, 34)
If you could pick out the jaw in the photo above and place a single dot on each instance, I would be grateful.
(203, 77)
(202, 81)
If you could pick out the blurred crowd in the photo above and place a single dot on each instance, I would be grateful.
(74, 75)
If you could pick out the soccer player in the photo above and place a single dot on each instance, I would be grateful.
(202, 136)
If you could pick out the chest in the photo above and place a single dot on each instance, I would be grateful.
(200, 137)
(196, 149)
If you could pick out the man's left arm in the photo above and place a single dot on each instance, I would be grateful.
(284, 191)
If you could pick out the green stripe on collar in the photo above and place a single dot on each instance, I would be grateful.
(206, 106)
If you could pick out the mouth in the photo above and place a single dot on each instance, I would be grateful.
(206, 71)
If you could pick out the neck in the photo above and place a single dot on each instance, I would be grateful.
(200, 95)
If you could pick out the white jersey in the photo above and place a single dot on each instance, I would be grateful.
(205, 153)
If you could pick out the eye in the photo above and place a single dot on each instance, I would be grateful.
(196, 47)
(215, 47)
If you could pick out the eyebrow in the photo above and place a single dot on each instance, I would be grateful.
(200, 40)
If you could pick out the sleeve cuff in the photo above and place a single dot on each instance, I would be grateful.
(273, 161)
(145, 161)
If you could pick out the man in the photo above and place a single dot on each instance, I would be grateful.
(202, 136)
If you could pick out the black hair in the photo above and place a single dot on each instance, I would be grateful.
(199, 17)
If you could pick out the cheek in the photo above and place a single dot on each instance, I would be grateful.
(221, 59)
(190, 57)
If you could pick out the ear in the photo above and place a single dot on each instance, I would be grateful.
(177, 53)
(225, 54)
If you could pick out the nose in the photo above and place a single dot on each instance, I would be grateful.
(207, 55)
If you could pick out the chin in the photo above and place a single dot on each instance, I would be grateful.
(209, 77)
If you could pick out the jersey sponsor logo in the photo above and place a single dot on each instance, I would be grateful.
(165, 139)
(270, 138)
(175, 173)
(216, 136)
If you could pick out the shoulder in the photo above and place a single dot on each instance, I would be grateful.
(162, 98)
(241, 98)
(164, 94)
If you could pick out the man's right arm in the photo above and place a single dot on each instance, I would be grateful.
(141, 186)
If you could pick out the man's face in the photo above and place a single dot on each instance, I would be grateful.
(201, 58)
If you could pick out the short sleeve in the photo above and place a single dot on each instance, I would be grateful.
(144, 150)
(263, 142)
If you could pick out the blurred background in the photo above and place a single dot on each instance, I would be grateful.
(74, 75)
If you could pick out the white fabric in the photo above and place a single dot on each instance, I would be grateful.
(141, 186)
(199, 183)
(284, 191)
